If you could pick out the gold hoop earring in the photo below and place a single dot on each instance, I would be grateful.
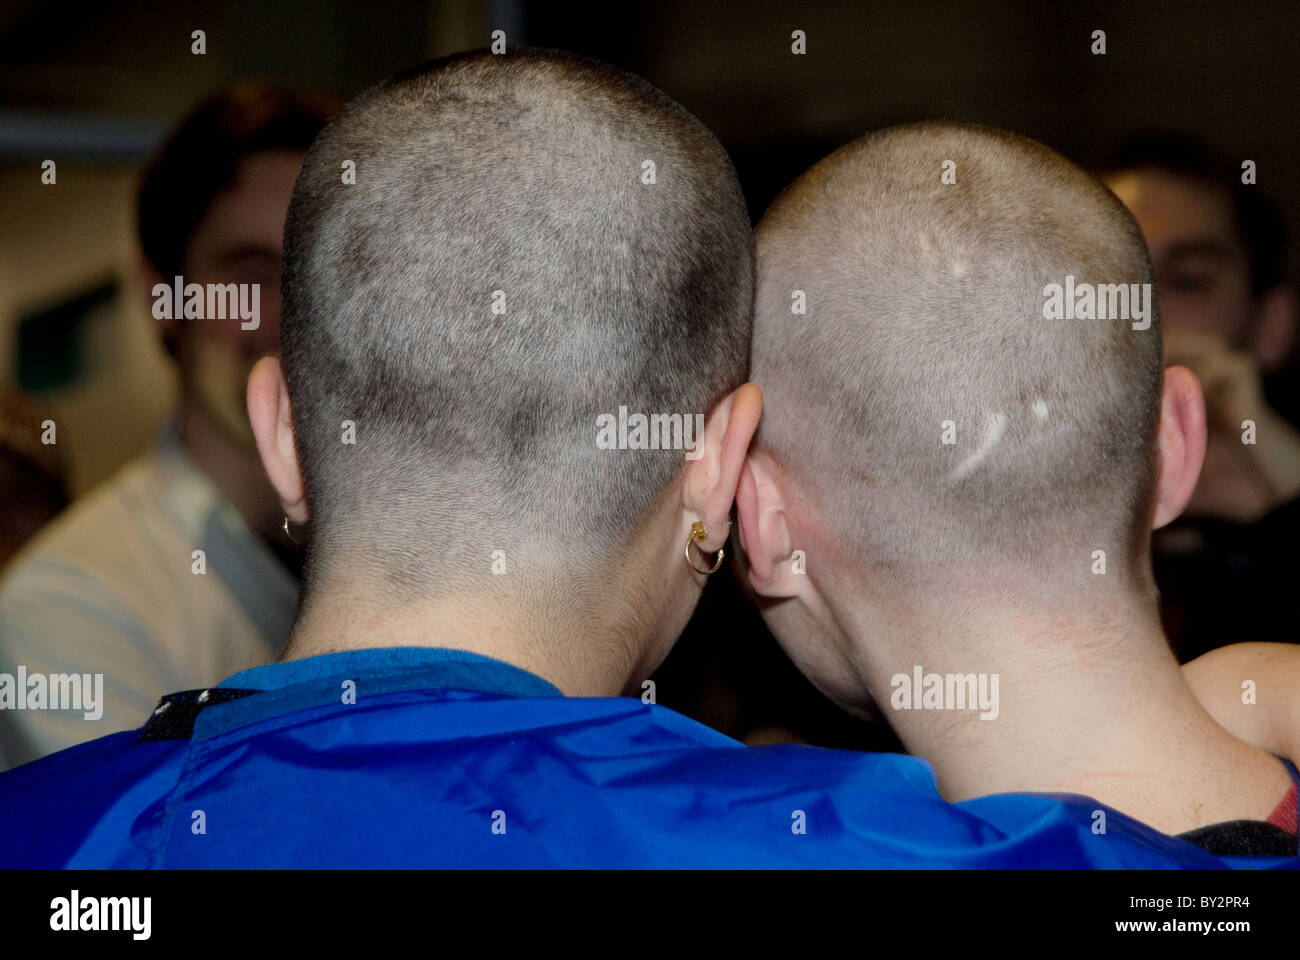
(697, 533)
(290, 535)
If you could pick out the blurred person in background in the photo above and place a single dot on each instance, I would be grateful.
(1226, 570)
(118, 585)
(32, 485)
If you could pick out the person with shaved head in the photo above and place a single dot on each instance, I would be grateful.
(501, 272)
(967, 441)
(538, 259)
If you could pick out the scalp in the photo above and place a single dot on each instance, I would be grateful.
(924, 306)
(519, 174)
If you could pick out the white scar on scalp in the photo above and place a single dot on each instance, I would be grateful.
(997, 426)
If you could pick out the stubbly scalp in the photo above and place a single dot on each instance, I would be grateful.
(500, 274)
(992, 433)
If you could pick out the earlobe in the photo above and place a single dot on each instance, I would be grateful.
(270, 415)
(1181, 440)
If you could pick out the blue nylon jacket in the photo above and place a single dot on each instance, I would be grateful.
(439, 758)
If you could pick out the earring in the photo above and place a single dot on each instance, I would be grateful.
(290, 535)
(697, 533)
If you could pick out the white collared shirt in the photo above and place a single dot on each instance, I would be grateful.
(111, 588)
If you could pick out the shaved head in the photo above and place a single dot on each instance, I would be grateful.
(502, 272)
(940, 425)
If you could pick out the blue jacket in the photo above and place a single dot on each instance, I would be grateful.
(427, 757)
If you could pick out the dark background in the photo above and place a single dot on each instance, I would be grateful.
(123, 71)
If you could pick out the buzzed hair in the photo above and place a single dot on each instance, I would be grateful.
(925, 322)
(532, 240)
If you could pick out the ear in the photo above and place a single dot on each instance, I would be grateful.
(272, 422)
(709, 487)
(147, 278)
(764, 532)
(1181, 442)
(1275, 327)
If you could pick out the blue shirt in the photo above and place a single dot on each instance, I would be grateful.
(428, 757)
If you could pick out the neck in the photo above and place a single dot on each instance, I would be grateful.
(573, 646)
(1087, 702)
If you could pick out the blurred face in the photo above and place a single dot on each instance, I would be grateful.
(1202, 271)
(239, 240)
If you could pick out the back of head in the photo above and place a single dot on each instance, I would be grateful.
(503, 270)
(942, 426)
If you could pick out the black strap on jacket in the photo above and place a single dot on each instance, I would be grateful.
(174, 717)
